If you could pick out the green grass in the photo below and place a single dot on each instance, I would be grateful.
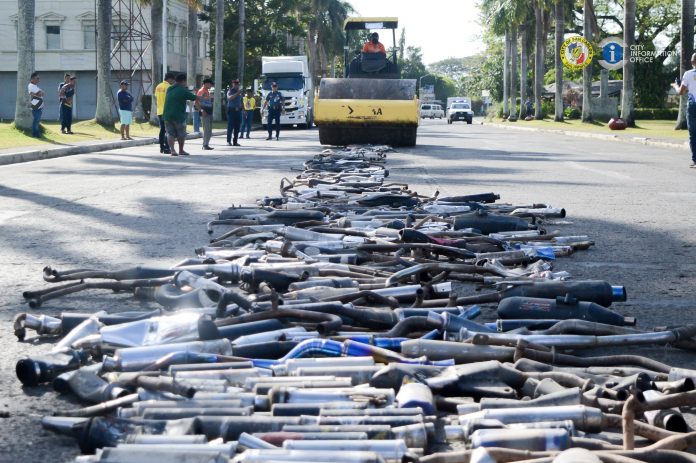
(645, 129)
(84, 131)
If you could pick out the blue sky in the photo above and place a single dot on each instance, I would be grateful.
(442, 28)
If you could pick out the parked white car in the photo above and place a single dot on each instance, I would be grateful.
(460, 112)
(432, 111)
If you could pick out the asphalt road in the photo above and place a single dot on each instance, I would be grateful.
(134, 206)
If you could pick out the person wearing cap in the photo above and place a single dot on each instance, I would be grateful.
(249, 104)
(67, 93)
(205, 108)
(125, 110)
(374, 45)
(161, 96)
(275, 103)
(234, 113)
(175, 113)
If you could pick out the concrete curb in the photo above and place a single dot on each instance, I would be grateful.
(599, 136)
(57, 152)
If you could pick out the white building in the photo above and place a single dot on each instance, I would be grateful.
(65, 36)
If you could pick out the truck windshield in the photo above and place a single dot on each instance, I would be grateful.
(460, 106)
(284, 83)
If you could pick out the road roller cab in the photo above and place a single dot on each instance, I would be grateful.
(370, 104)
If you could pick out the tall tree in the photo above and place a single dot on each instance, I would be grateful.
(558, 42)
(25, 62)
(103, 113)
(219, 40)
(156, 12)
(539, 47)
(587, 17)
(687, 48)
(627, 95)
(513, 72)
(524, 60)
(506, 75)
(325, 32)
(192, 43)
(242, 41)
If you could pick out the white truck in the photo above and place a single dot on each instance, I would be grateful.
(295, 83)
(459, 109)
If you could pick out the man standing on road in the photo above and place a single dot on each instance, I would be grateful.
(67, 92)
(160, 96)
(175, 114)
(125, 110)
(234, 113)
(688, 86)
(36, 96)
(274, 102)
(249, 103)
(66, 81)
(205, 102)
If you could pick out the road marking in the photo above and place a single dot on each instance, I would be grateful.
(606, 173)
(10, 214)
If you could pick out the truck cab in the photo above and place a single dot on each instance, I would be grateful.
(291, 73)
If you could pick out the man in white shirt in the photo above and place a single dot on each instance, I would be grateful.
(36, 96)
(688, 85)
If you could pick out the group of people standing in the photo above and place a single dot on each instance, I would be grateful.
(172, 97)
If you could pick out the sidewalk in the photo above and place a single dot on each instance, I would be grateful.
(39, 152)
(611, 135)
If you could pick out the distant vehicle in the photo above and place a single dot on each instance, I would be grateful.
(432, 111)
(457, 99)
(460, 111)
(291, 73)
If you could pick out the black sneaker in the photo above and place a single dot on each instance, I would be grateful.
(208, 148)
(166, 152)
(229, 144)
(236, 144)
(269, 138)
(277, 138)
(247, 137)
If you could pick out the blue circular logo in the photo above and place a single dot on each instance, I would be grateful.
(613, 49)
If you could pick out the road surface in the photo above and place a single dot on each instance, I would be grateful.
(135, 206)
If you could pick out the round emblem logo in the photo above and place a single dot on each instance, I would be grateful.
(576, 52)
(613, 49)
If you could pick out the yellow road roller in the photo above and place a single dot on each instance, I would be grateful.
(370, 104)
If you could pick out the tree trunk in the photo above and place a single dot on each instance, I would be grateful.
(538, 59)
(627, 96)
(219, 39)
(104, 97)
(156, 9)
(323, 61)
(560, 24)
(524, 60)
(687, 48)
(312, 52)
(587, 71)
(506, 75)
(192, 45)
(242, 42)
(25, 62)
(513, 72)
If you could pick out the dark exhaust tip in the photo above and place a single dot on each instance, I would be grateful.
(28, 372)
(676, 423)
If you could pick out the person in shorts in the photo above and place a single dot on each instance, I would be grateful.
(125, 110)
(175, 113)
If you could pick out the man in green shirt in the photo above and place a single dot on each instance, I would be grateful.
(175, 113)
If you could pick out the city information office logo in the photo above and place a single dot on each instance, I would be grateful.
(576, 53)
(612, 53)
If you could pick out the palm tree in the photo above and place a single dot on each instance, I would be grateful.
(104, 99)
(242, 41)
(560, 24)
(219, 39)
(627, 96)
(506, 75)
(25, 61)
(325, 36)
(539, 45)
(192, 43)
(524, 60)
(156, 12)
(687, 48)
(513, 72)
(587, 15)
